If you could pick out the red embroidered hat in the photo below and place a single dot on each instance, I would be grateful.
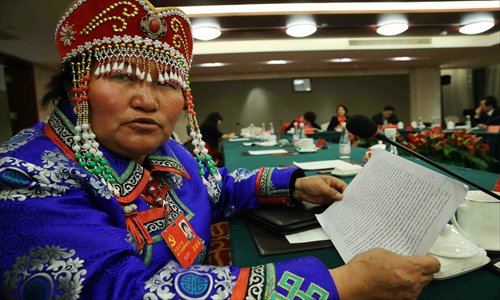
(119, 31)
(107, 36)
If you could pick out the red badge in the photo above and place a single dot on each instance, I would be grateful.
(183, 241)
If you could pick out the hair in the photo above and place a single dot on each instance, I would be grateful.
(343, 106)
(212, 119)
(490, 101)
(390, 108)
(56, 88)
(310, 116)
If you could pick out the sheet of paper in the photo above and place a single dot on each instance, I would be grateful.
(306, 236)
(328, 164)
(394, 204)
(238, 139)
(267, 144)
(265, 152)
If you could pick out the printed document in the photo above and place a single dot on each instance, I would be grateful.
(394, 204)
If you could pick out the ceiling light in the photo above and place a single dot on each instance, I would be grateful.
(401, 58)
(476, 27)
(301, 29)
(277, 62)
(341, 60)
(206, 33)
(212, 65)
(390, 29)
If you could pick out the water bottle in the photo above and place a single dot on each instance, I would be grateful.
(295, 136)
(302, 131)
(468, 123)
(271, 128)
(344, 144)
(252, 130)
(263, 128)
(420, 123)
(390, 133)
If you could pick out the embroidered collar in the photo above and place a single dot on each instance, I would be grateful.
(131, 177)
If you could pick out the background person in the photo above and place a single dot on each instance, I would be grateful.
(309, 120)
(341, 117)
(212, 135)
(386, 117)
(487, 113)
(86, 196)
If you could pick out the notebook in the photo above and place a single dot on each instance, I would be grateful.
(286, 219)
(270, 243)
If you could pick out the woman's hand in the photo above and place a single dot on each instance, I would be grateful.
(381, 274)
(319, 189)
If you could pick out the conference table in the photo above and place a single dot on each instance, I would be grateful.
(479, 284)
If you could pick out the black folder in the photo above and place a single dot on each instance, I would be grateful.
(269, 224)
(270, 243)
(286, 219)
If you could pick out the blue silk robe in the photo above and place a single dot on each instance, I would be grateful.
(64, 234)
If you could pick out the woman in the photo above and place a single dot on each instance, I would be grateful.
(341, 117)
(91, 199)
(211, 134)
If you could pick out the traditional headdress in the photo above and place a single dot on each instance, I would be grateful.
(125, 36)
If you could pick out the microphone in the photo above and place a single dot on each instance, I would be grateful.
(363, 127)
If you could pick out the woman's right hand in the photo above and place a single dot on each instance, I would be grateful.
(381, 274)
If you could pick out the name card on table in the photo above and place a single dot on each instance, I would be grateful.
(267, 152)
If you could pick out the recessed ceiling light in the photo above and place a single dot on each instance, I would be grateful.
(477, 27)
(212, 65)
(390, 29)
(277, 62)
(301, 29)
(341, 60)
(206, 33)
(401, 58)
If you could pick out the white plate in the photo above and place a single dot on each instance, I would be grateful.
(307, 150)
(451, 243)
(452, 267)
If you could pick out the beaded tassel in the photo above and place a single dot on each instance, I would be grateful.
(202, 157)
(109, 60)
(86, 148)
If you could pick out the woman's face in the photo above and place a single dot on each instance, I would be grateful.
(341, 111)
(131, 117)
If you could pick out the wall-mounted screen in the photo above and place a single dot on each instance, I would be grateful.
(302, 85)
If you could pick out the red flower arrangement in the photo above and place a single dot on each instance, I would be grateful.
(458, 148)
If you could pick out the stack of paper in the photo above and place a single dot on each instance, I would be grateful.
(341, 167)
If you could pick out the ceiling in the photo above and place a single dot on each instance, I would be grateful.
(249, 40)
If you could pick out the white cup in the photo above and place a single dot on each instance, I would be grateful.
(478, 218)
(450, 125)
(306, 144)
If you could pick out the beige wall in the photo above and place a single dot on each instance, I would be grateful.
(425, 93)
(273, 100)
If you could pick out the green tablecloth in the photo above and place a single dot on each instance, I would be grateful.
(479, 284)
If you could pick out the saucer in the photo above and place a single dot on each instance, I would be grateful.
(452, 267)
(451, 243)
(307, 150)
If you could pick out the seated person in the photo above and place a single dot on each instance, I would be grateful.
(386, 117)
(309, 120)
(341, 117)
(90, 199)
(487, 113)
(212, 135)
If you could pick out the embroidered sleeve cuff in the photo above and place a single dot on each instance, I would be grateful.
(302, 278)
(272, 185)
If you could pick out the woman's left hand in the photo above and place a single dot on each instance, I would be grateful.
(319, 189)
